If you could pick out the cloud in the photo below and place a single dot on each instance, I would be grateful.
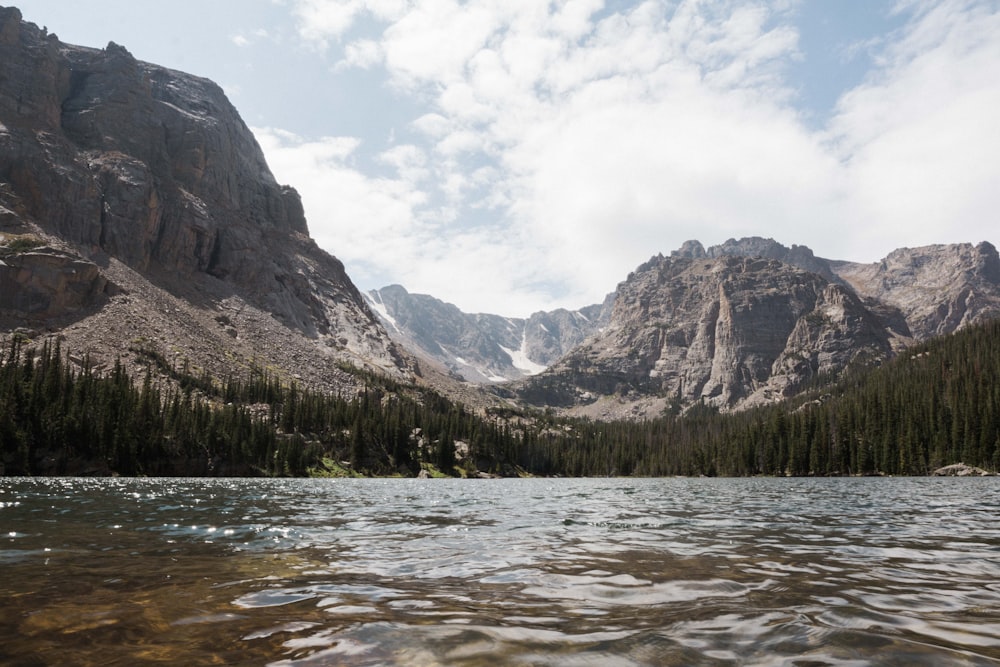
(378, 224)
(554, 146)
(919, 139)
(320, 20)
(358, 218)
(323, 20)
(243, 39)
(362, 53)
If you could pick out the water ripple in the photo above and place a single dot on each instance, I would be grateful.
(501, 572)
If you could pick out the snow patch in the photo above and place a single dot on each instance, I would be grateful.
(486, 373)
(519, 358)
(382, 311)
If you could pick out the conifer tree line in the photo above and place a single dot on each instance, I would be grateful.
(56, 418)
(935, 404)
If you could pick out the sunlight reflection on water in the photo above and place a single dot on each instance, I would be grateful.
(501, 572)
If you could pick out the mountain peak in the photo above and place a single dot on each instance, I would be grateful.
(150, 176)
(690, 249)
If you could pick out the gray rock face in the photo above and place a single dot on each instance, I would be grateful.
(549, 336)
(482, 348)
(751, 321)
(44, 283)
(727, 331)
(756, 246)
(937, 289)
(124, 161)
(734, 325)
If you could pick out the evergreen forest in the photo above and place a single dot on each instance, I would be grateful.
(933, 405)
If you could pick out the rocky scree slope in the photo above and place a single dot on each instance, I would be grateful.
(483, 348)
(137, 210)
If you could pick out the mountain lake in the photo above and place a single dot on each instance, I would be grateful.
(602, 572)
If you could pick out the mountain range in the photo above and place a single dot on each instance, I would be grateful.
(743, 324)
(139, 219)
(746, 322)
(483, 348)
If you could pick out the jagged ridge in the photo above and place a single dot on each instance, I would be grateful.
(483, 347)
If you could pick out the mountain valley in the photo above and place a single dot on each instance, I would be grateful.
(143, 234)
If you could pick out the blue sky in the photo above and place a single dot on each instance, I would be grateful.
(515, 155)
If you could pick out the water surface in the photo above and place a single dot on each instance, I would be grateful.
(500, 572)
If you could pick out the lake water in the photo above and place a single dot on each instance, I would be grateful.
(607, 572)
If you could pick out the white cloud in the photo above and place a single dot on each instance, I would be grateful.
(375, 223)
(435, 40)
(363, 53)
(409, 161)
(362, 220)
(920, 140)
(320, 20)
(432, 124)
(243, 40)
(592, 140)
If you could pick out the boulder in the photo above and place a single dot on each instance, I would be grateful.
(45, 283)
(961, 470)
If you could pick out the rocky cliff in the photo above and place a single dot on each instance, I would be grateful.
(159, 219)
(725, 331)
(483, 347)
(43, 283)
(918, 293)
(937, 289)
(751, 321)
(756, 246)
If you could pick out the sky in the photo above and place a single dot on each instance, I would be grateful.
(509, 156)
